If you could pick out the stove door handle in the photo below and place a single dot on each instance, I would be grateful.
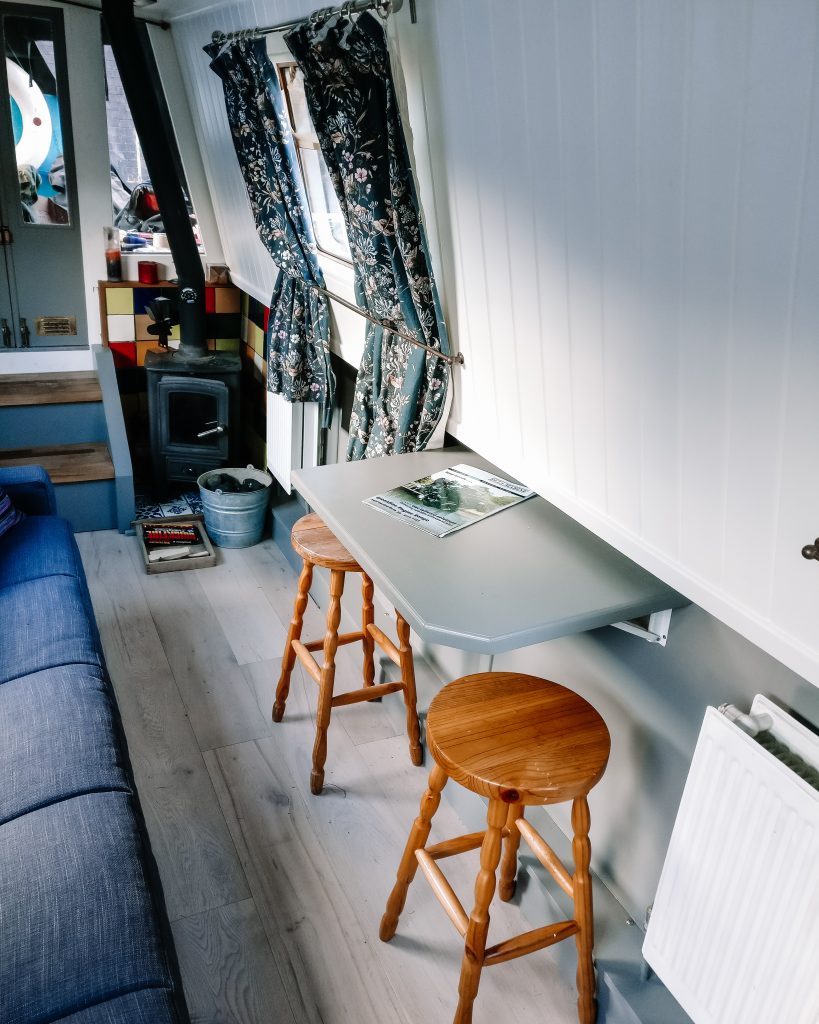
(218, 428)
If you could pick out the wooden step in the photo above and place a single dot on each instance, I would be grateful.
(49, 388)
(66, 463)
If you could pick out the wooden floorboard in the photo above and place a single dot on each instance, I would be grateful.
(66, 463)
(220, 703)
(227, 968)
(196, 858)
(49, 388)
(284, 925)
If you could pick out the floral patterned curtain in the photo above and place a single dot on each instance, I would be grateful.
(298, 357)
(401, 389)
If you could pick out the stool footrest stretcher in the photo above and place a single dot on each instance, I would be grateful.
(529, 942)
(344, 638)
(384, 642)
(547, 856)
(452, 847)
(310, 664)
(366, 693)
(443, 891)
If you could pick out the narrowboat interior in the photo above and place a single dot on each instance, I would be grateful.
(409, 572)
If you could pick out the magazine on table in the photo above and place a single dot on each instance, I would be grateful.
(449, 500)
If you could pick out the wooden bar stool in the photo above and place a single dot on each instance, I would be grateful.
(520, 741)
(317, 545)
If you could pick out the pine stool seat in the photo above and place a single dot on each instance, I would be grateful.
(316, 544)
(520, 741)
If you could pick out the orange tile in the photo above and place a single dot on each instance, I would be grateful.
(143, 348)
(142, 321)
(228, 300)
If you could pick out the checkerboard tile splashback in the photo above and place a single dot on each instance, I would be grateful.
(125, 319)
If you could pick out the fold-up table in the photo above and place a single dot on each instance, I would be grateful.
(526, 574)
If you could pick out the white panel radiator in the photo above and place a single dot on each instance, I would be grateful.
(292, 437)
(734, 931)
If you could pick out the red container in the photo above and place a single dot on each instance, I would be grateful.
(148, 271)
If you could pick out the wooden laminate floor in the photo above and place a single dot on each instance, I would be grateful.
(275, 895)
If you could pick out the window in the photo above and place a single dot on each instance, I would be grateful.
(36, 119)
(325, 212)
(133, 201)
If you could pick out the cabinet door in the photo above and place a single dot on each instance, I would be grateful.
(39, 188)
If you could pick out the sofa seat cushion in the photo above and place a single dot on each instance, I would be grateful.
(38, 546)
(59, 737)
(77, 923)
(147, 1006)
(44, 623)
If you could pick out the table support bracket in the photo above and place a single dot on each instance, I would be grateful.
(659, 625)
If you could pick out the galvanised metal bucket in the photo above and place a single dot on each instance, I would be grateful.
(235, 520)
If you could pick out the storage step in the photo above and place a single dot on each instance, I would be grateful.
(84, 481)
(64, 463)
(54, 408)
(49, 388)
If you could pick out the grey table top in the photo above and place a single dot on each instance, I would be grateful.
(524, 575)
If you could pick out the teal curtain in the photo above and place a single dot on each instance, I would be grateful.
(400, 389)
(296, 345)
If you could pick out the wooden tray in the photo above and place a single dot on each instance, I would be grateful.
(175, 564)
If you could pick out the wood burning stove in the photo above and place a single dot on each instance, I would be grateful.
(193, 410)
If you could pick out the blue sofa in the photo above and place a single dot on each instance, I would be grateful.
(84, 937)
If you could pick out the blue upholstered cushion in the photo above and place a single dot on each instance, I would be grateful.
(77, 926)
(58, 738)
(38, 546)
(148, 1006)
(44, 623)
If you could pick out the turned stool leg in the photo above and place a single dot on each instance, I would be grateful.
(509, 867)
(478, 926)
(367, 618)
(417, 840)
(581, 848)
(410, 698)
(326, 681)
(294, 633)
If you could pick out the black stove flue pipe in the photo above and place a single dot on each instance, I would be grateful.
(140, 81)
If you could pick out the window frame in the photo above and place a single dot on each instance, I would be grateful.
(304, 141)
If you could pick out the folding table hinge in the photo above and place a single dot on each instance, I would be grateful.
(656, 632)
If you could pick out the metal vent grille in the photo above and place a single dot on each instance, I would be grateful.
(48, 326)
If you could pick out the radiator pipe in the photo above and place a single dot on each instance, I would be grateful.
(752, 724)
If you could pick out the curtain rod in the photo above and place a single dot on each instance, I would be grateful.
(457, 358)
(382, 7)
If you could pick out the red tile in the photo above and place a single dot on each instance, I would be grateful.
(210, 300)
(266, 318)
(124, 353)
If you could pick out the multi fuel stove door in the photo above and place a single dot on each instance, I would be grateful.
(193, 425)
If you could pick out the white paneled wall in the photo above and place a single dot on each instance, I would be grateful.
(624, 202)
(628, 199)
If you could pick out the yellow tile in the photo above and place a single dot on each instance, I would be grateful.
(255, 338)
(227, 300)
(174, 335)
(119, 300)
(227, 344)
